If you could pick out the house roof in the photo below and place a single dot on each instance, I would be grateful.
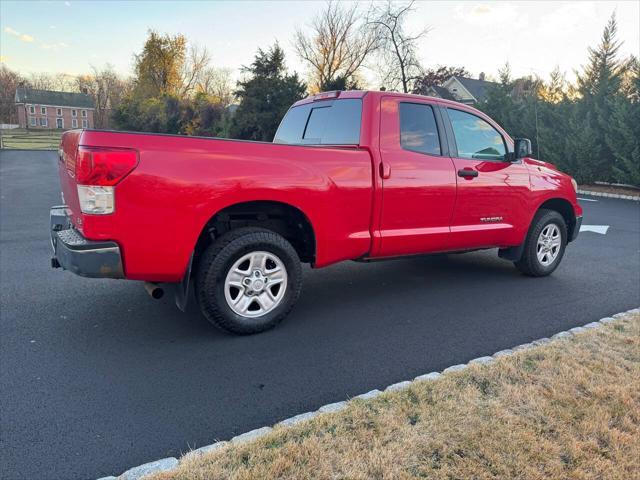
(477, 88)
(442, 92)
(56, 99)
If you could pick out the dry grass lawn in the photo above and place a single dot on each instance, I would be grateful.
(568, 410)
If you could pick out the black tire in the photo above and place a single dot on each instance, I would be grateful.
(529, 264)
(220, 257)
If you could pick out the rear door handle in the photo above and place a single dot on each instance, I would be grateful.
(385, 170)
(467, 172)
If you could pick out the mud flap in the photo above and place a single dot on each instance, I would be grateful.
(182, 288)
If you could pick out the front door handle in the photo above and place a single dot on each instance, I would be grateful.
(467, 173)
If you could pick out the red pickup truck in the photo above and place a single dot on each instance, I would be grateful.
(349, 176)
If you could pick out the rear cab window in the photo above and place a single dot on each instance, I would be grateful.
(326, 122)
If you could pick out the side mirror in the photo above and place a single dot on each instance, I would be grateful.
(522, 148)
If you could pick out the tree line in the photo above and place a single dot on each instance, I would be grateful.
(590, 128)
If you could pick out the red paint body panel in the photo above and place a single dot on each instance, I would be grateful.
(181, 182)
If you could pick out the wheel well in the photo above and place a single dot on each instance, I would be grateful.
(278, 217)
(564, 208)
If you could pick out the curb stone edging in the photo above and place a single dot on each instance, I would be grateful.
(168, 464)
(633, 198)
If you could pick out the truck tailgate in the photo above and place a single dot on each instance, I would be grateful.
(66, 170)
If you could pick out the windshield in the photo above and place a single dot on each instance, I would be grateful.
(335, 122)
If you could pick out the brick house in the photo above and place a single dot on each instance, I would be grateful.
(47, 109)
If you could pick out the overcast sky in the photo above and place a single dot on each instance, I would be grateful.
(534, 37)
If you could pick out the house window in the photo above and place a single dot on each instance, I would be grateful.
(33, 120)
(84, 113)
(74, 113)
(59, 112)
(74, 123)
(43, 110)
(32, 109)
(43, 122)
(85, 124)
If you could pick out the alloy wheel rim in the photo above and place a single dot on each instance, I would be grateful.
(548, 245)
(255, 284)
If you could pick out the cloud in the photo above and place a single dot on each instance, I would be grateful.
(68, 4)
(22, 36)
(489, 14)
(53, 46)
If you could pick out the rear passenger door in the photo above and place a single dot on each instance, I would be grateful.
(492, 190)
(418, 179)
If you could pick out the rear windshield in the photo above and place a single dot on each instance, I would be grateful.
(335, 122)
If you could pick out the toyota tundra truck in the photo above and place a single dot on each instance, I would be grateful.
(350, 175)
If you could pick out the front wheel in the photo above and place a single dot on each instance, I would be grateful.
(544, 245)
(248, 280)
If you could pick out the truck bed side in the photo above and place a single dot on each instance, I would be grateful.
(180, 183)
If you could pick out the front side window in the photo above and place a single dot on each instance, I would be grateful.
(74, 113)
(418, 129)
(32, 109)
(74, 123)
(476, 138)
(33, 121)
(59, 112)
(84, 124)
(84, 113)
(43, 110)
(43, 122)
(325, 122)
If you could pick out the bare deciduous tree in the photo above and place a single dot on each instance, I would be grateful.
(9, 81)
(216, 83)
(194, 66)
(398, 47)
(107, 90)
(337, 45)
(61, 82)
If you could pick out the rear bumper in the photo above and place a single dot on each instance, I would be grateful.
(73, 252)
(576, 229)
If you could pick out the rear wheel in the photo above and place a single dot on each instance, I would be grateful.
(544, 245)
(248, 280)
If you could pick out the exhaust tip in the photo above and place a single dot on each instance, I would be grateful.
(154, 290)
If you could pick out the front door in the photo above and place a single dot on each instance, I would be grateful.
(59, 123)
(492, 191)
(419, 183)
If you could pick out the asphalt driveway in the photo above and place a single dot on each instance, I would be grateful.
(96, 377)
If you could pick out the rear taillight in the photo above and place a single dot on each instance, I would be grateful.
(97, 170)
(104, 167)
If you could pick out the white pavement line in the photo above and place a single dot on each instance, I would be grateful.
(635, 198)
(168, 464)
(601, 229)
(586, 200)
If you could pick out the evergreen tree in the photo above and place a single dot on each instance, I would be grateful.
(265, 96)
(623, 136)
(599, 85)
